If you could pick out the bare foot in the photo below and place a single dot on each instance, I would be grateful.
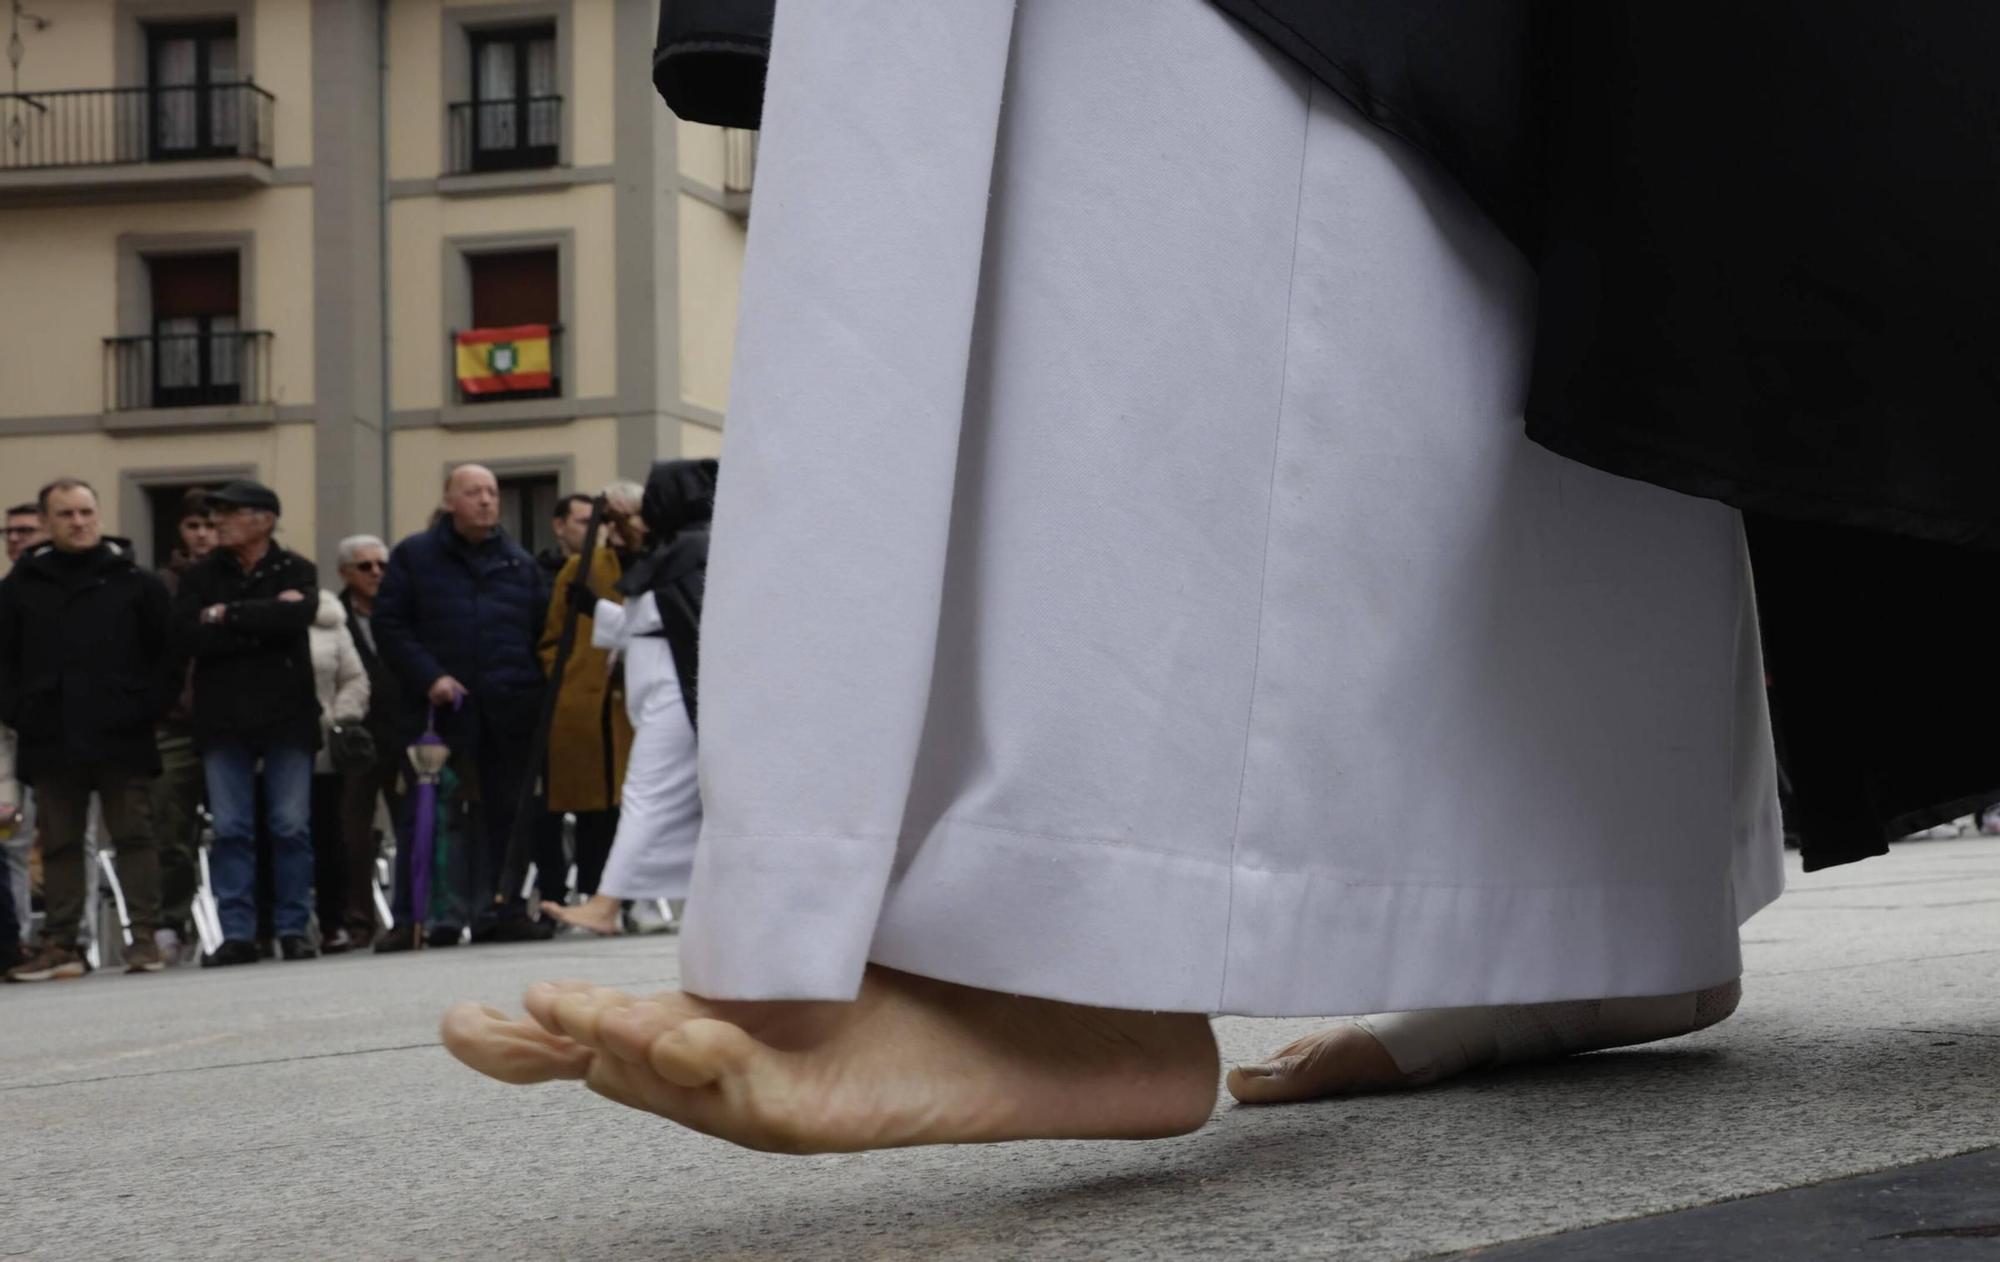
(1345, 1060)
(512, 1049)
(599, 914)
(1398, 1050)
(911, 1061)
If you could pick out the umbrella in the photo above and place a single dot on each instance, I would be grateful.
(427, 756)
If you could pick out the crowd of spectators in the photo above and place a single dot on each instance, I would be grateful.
(228, 703)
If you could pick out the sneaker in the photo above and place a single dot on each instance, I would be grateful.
(516, 929)
(296, 946)
(338, 943)
(233, 951)
(144, 955)
(49, 963)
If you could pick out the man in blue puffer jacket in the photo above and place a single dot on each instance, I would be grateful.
(457, 620)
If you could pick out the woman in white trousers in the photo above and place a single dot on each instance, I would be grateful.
(1134, 598)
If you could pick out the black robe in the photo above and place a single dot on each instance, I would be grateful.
(1769, 275)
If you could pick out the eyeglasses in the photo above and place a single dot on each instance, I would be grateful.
(370, 567)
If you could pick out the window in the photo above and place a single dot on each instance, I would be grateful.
(196, 344)
(517, 287)
(511, 289)
(193, 85)
(515, 115)
(527, 507)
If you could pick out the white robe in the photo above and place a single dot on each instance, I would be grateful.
(659, 805)
(1131, 584)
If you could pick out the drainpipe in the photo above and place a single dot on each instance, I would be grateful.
(382, 261)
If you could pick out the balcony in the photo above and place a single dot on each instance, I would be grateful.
(517, 134)
(88, 144)
(164, 371)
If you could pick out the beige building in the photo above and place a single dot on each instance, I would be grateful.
(243, 238)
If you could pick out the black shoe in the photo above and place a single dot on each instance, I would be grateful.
(338, 944)
(515, 929)
(444, 936)
(297, 947)
(234, 951)
(393, 941)
(266, 949)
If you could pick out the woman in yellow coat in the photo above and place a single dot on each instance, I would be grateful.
(589, 737)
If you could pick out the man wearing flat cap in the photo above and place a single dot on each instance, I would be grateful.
(242, 615)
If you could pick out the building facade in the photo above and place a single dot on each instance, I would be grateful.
(341, 245)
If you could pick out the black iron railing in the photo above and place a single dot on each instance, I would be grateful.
(509, 135)
(83, 127)
(179, 370)
(553, 390)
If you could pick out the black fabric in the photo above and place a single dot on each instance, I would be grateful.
(677, 507)
(1780, 290)
(84, 669)
(708, 62)
(244, 493)
(386, 703)
(1454, 79)
(1881, 666)
(253, 676)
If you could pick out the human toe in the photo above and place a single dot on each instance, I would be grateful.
(512, 1050)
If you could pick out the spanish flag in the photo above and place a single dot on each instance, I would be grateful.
(501, 361)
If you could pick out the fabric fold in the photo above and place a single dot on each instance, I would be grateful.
(858, 296)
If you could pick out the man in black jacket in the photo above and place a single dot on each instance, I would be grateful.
(363, 559)
(242, 616)
(83, 650)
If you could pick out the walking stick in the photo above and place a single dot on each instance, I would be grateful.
(514, 871)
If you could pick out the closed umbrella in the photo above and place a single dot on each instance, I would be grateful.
(427, 755)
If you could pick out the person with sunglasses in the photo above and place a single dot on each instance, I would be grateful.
(362, 560)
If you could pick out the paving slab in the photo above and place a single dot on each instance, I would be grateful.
(306, 1110)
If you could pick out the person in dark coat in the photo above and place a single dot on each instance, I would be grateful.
(177, 794)
(363, 560)
(83, 677)
(457, 620)
(242, 616)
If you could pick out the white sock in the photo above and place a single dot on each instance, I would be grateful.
(1440, 1042)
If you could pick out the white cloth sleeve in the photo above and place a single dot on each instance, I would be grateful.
(859, 284)
(613, 626)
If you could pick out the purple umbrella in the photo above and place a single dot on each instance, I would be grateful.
(427, 757)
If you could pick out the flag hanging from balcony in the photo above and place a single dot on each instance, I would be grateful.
(501, 361)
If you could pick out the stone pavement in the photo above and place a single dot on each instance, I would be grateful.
(306, 1111)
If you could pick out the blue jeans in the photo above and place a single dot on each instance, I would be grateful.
(231, 769)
